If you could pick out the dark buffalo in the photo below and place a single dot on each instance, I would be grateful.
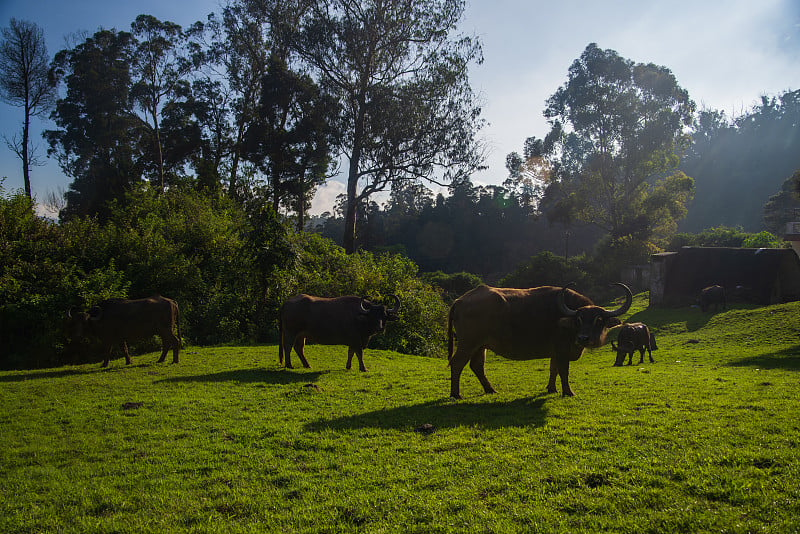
(525, 324)
(117, 321)
(350, 321)
(712, 296)
(633, 337)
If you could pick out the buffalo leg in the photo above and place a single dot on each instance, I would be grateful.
(299, 348)
(560, 367)
(127, 356)
(176, 347)
(358, 352)
(108, 355)
(551, 383)
(457, 363)
(287, 352)
(164, 350)
(476, 363)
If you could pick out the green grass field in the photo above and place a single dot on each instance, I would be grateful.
(704, 440)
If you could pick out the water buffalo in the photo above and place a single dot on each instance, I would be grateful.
(350, 321)
(117, 321)
(525, 324)
(712, 295)
(633, 337)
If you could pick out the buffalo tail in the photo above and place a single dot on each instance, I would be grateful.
(450, 334)
(280, 340)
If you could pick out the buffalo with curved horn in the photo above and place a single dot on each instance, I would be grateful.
(349, 321)
(525, 324)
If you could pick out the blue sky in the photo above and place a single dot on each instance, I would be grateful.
(726, 53)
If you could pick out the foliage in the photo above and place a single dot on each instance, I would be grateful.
(701, 441)
(229, 270)
(291, 137)
(39, 281)
(784, 206)
(452, 285)
(547, 269)
(617, 127)
(25, 82)
(739, 163)
(400, 77)
(724, 236)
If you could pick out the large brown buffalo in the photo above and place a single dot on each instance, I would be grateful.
(525, 324)
(633, 337)
(350, 321)
(117, 321)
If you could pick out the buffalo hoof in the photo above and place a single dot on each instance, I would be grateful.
(363, 369)
(160, 360)
(456, 396)
(552, 389)
(568, 393)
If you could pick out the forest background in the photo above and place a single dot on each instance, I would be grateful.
(194, 153)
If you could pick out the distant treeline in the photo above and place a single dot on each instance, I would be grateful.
(738, 164)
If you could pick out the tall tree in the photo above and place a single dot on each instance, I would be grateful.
(291, 139)
(240, 49)
(618, 129)
(160, 67)
(24, 82)
(98, 136)
(402, 82)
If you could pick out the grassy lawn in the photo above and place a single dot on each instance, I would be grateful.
(704, 440)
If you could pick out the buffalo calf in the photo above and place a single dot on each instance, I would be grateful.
(633, 337)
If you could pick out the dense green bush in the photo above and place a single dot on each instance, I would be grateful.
(452, 285)
(228, 268)
(724, 236)
(546, 268)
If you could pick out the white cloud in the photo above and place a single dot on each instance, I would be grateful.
(325, 197)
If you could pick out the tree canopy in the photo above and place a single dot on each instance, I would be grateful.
(617, 131)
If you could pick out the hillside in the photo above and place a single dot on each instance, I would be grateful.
(705, 439)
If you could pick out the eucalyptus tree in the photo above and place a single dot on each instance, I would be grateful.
(25, 82)
(290, 140)
(162, 60)
(618, 129)
(400, 76)
(98, 134)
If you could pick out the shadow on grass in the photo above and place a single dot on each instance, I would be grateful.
(788, 359)
(250, 376)
(445, 413)
(37, 375)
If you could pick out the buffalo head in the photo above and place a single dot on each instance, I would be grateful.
(592, 322)
(376, 315)
(75, 324)
(623, 349)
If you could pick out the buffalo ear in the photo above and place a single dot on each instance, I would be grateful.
(612, 321)
(566, 322)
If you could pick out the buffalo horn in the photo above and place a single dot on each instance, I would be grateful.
(365, 309)
(562, 306)
(625, 307)
(99, 315)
